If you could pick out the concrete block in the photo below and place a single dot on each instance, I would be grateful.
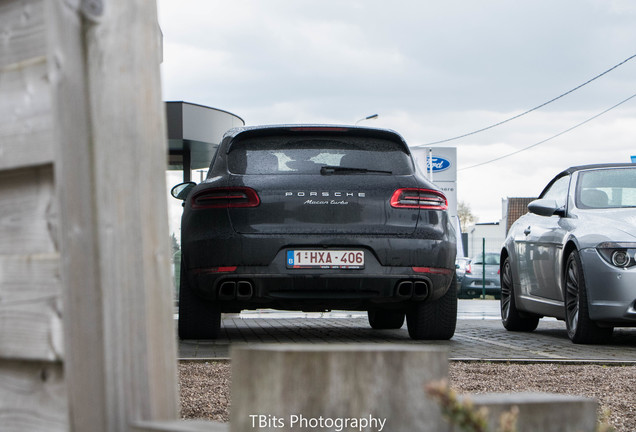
(334, 387)
(541, 412)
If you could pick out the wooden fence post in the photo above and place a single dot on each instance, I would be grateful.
(87, 338)
(110, 173)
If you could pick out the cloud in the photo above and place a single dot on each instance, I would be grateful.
(431, 70)
(610, 139)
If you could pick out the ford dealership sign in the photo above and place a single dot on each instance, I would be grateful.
(439, 164)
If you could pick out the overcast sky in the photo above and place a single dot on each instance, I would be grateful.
(432, 70)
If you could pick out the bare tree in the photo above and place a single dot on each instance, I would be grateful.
(465, 214)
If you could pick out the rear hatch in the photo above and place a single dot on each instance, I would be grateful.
(322, 182)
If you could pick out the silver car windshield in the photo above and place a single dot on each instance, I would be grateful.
(606, 188)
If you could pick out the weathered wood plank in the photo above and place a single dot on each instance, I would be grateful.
(25, 118)
(30, 399)
(23, 31)
(26, 73)
(30, 307)
(30, 275)
(27, 211)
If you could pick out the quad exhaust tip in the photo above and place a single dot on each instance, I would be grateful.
(405, 290)
(420, 290)
(417, 290)
(244, 290)
(236, 290)
(227, 290)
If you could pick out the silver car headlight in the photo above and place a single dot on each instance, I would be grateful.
(618, 254)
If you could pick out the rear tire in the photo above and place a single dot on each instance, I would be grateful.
(386, 319)
(198, 318)
(434, 320)
(581, 329)
(511, 318)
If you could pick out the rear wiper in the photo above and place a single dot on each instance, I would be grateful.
(329, 169)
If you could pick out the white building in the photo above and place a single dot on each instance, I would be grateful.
(493, 234)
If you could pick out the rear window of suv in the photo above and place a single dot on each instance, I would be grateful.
(307, 155)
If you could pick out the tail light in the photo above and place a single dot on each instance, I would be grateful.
(225, 198)
(469, 268)
(419, 198)
(211, 270)
(432, 270)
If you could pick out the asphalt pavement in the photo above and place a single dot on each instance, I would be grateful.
(479, 336)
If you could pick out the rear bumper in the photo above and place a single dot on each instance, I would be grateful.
(278, 287)
(261, 278)
(226, 248)
(472, 286)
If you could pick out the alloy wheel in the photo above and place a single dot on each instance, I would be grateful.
(506, 292)
(512, 318)
(572, 294)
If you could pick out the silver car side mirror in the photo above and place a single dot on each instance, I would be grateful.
(546, 207)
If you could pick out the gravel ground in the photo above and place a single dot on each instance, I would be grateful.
(612, 386)
(205, 386)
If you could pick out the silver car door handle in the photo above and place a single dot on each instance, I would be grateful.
(527, 231)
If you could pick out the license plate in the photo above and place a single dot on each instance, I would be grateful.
(325, 259)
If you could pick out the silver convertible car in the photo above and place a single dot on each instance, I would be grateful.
(573, 256)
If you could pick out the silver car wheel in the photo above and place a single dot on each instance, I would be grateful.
(572, 295)
(581, 329)
(506, 291)
(512, 318)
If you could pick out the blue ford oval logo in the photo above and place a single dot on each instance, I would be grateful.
(439, 164)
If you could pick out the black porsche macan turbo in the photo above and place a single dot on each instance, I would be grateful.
(316, 218)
